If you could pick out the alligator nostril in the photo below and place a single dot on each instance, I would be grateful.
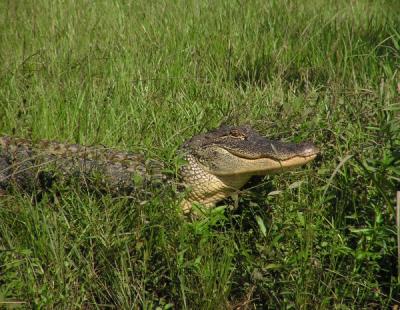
(310, 149)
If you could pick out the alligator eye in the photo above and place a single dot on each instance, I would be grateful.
(237, 134)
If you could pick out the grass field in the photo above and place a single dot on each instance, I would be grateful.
(145, 76)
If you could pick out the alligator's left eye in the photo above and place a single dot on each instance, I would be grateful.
(237, 134)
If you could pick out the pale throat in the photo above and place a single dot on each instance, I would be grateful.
(205, 187)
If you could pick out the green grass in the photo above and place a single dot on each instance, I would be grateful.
(140, 76)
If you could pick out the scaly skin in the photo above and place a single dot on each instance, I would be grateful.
(219, 163)
(22, 162)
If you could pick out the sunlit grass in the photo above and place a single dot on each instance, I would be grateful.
(146, 76)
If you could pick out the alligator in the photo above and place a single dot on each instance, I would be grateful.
(217, 163)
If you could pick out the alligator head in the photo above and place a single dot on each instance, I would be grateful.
(220, 162)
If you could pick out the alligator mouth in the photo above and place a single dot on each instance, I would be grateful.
(264, 166)
(289, 153)
(295, 161)
(228, 162)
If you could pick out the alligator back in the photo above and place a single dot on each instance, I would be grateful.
(28, 164)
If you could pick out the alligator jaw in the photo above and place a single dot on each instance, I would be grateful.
(226, 163)
(264, 166)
